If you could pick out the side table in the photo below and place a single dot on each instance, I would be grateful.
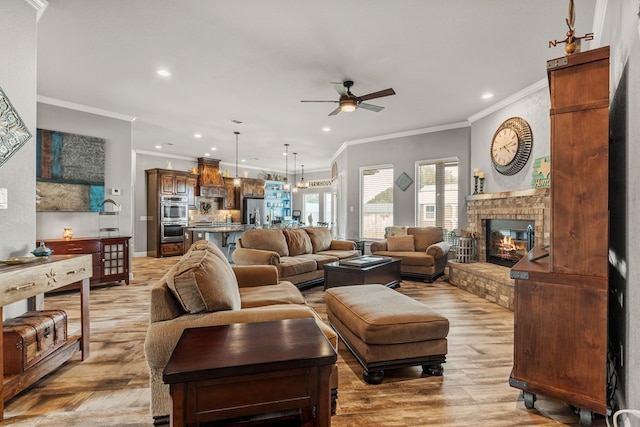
(277, 367)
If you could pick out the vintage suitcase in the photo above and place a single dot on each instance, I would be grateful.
(31, 337)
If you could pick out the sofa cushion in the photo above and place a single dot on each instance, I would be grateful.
(341, 254)
(267, 240)
(203, 281)
(260, 296)
(421, 259)
(395, 231)
(402, 243)
(290, 266)
(320, 259)
(423, 237)
(298, 241)
(320, 238)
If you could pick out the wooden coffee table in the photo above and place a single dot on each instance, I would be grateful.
(238, 371)
(385, 273)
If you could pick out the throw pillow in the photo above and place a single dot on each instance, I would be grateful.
(395, 231)
(298, 241)
(400, 244)
(320, 238)
(425, 236)
(204, 282)
(266, 240)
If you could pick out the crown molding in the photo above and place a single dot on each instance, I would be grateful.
(39, 6)
(413, 132)
(509, 100)
(84, 108)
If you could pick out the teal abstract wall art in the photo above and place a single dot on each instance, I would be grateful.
(69, 172)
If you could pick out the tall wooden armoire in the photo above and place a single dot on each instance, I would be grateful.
(561, 289)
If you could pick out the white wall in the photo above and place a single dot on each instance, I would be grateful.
(403, 152)
(17, 174)
(534, 108)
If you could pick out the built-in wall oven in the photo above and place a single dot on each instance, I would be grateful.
(171, 231)
(174, 209)
(174, 214)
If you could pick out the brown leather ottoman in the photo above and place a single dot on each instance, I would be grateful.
(385, 329)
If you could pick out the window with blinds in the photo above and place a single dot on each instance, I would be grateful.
(376, 211)
(437, 198)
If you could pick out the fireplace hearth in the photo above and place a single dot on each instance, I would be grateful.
(508, 240)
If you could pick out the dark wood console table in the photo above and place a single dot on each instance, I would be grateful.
(26, 281)
(278, 366)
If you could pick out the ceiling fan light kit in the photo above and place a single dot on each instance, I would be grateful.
(348, 105)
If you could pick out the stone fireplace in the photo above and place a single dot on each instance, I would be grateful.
(488, 280)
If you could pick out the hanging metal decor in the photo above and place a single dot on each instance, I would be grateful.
(13, 133)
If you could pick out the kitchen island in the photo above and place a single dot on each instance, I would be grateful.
(222, 235)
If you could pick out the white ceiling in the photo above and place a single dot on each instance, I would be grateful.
(254, 60)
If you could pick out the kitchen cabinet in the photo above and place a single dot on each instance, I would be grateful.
(561, 289)
(252, 187)
(231, 197)
(166, 182)
(277, 200)
(176, 183)
(109, 255)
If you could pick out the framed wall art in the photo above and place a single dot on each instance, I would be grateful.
(13, 132)
(404, 181)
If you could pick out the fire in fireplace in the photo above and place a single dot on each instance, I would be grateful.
(508, 240)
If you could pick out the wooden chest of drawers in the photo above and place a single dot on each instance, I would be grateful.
(109, 255)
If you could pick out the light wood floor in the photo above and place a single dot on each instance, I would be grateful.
(111, 388)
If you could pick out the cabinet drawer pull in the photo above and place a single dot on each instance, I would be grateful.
(74, 249)
(21, 287)
(80, 270)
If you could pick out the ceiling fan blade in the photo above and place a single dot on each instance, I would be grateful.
(370, 107)
(334, 112)
(335, 102)
(339, 87)
(379, 94)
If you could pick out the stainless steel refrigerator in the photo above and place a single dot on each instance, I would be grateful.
(254, 208)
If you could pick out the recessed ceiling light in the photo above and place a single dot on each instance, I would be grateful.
(213, 148)
(159, 147)
(197, 135)
(326, 129)
(163, 72)
(243, 160)
(487, 95)
(207, 154)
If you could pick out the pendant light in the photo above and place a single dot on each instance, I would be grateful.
(236, 180)
(295, 173)
(302, 185)
(287, 186)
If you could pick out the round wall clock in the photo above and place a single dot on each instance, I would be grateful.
(511, 146)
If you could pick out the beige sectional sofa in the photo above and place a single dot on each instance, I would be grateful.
(298, 253)
(423, 251)
(202, 289)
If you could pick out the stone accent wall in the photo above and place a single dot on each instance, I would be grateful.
(486, 280)
(492, 281)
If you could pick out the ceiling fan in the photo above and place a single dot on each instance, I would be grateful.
(349, 102)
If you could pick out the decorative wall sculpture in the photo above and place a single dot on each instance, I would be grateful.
(69, 172)
(13, 133)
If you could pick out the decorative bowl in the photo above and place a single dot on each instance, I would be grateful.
(42, 250)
